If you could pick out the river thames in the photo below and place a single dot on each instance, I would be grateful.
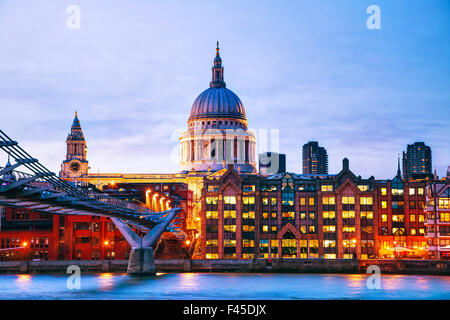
(224, 286)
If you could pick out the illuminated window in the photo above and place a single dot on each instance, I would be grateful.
(348, 214)
(288, 215)
(330, 256)
(329, 214)
(328, 200)
(249, 188)
(229, 200)
(384, 218)
(383, 191)
(413, 231)
(247, 228)
(248, 200)
(444, 203)
(421, 218)
(265, 228)
(348, 200)
(327, 188)
(265, 215)
(229, 243)
(366, 200)
(212, 243)
(273, 201)
(312, 229)
(397, 204)
(212, 256)
(274, 228)
(303, 215)
(274, 215)
(248, 243)
(303, 229)
(412, 218)
(363, 187)
(213, 188)
(265, 201)
(411, 191)
(229, 214)
(366, 215)
(328, 229)
(229, 228)
(212, 200)
(398, 231)
(383, 204)
(212, 214)
(421, 231)
(248, 215)
(303, 201)
(329, 243)
(312, 216)
(420, 191)
(311, 201)
(348, 229)
(396, 192)
(398, 217)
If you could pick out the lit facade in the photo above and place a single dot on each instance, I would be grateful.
(311, 216)
(438, 217)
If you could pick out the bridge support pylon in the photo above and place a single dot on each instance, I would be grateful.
(142, 259)
(141, 262)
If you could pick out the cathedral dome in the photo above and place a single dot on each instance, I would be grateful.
(217, 101)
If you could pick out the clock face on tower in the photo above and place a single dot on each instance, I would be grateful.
(75, 166)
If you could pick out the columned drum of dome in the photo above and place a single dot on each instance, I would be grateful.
(217, 129)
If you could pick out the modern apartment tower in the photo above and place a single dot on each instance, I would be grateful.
(315, 159)
(272, 163)
(417, 161)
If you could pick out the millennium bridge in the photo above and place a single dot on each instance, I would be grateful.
(43, 191)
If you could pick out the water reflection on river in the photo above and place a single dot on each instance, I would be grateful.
(224, 286)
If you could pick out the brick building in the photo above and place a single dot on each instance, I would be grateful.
(311, 216)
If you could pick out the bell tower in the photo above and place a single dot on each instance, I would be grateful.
(76, 164)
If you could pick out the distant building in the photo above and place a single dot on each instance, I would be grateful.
(315, 159)
(272, 163)
(417, 161)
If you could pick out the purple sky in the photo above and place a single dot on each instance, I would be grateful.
(310, 69)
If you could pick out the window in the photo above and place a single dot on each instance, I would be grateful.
(412, 204)
(248, 215)
(212, 214)
(212, 243)
(248, 200)
(288, 215)
(348, 200)
(312, 216)
(383, 191)
(413, 231)
(311, 201)
(348, 214)
(303, 201)
(329, 214)
(420, 191)
(421, 218)
(366, 200)
(265, 215)
(265, 228)
(397, 204)
(265, 201)
(328, 229)
(213, 188)
(229, 243)
(384, 204)
(229, 214)
(212, 200)
(273, 201)
(327, 188)
(384, 218)
(444, 203)
(312, 229)
(398, 218)
(230, 200)
(249, 188)
(229, 228)
(329, 243)
(363, 187)
(412, 218)
(366, 215)
(328, 200)
(412, 191)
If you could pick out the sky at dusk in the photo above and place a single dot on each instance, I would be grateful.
(310, 69)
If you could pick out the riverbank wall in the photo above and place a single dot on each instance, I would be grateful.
(430, 267)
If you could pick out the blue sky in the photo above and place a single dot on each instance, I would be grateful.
(310, 69)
